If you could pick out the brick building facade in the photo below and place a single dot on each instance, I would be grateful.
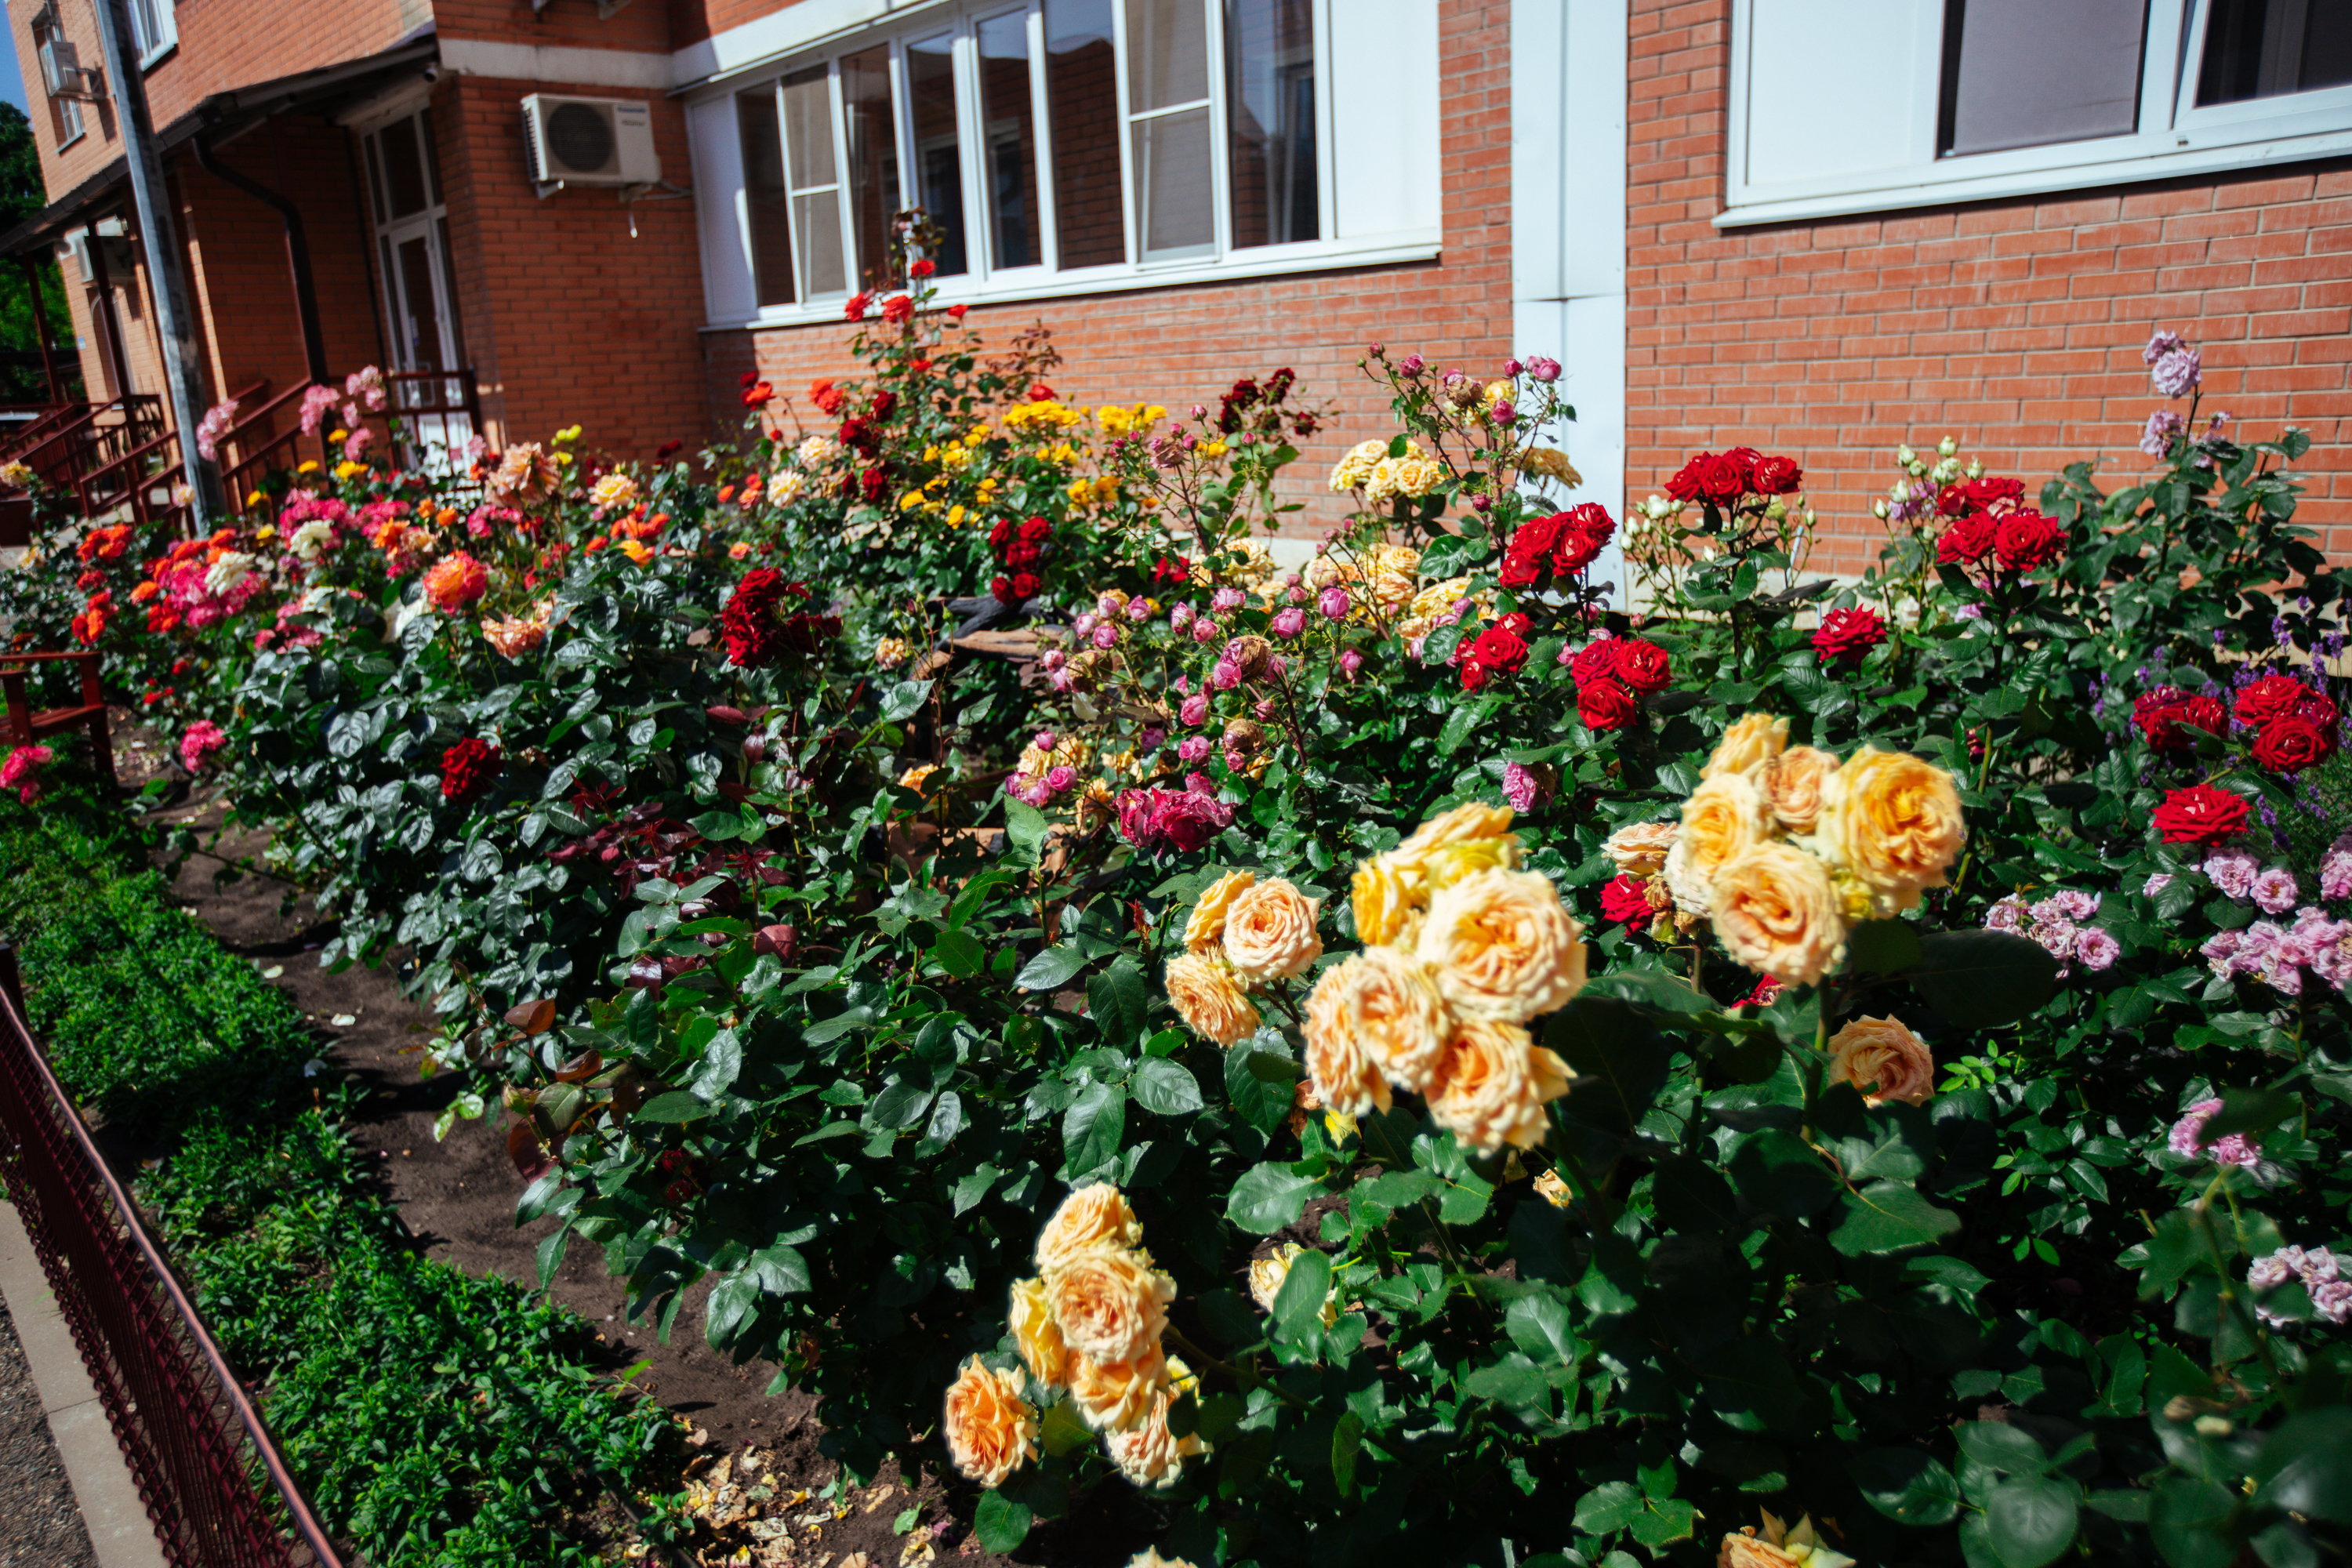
(1909, 244)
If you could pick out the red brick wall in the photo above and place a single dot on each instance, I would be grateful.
(1177, 346)
(2014, 325)
(567, 318)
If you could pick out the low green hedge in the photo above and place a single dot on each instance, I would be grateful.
(435, 1418)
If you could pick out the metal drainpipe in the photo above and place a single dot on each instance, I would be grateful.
(298, 255)
(181, 355)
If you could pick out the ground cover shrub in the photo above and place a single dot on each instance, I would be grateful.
(1409, 1054)
(431, 1416)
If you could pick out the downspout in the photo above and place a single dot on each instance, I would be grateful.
(298, 255)
(160, 237)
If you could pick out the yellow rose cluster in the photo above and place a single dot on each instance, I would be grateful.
(1091, 1322)
(1785, 847)
(1462, 948)
(1244, 935)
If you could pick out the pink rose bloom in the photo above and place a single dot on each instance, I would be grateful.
(202, 740)
(2096, 949)
(2007, 915)
(1194, 712)
(2156, 883)
(1105, 635)
(1226, 600)
(1192, 749)
(2187, 1139)
(21, 772)
(1290, 623)
(1335, 604)
(1157, 820)
(2233, 871)
(2274, 891)
(2336, 870)
(355, 445)
(1226, 676)
(1204, 630)
(1350, 662)
(1061, 778)
(1521, 786)
(1045, 740)
(1179, 617)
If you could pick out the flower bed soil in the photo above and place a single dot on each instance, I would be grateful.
(457, 1197)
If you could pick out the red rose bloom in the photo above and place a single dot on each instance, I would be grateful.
(854, 309)
(2161, 715)
(1625, 900)
(1585, 529)
(1537, 535)
(1999, 497)
(2201, 815)
(1520, 569)
(1171, 569)
(826, 397)
(1605, 705)
(1000, 588)
(757, 395)
(1025, 587)
(884, 402)
(873, 485)
(1500, 649)
(1846, 636)
(1019, 554)
(898, 311)
(1036, 531)
(1000, 533)
(803, 633)
(957, 311)
(2292, 742)
(2025, 541)
(1474, 674)
(1717, 477)
(467, 769)
(1968, 541)
(2271, 697)
(1040, 393)
(1641, 665)
(921, 266)
(1596, 660)
(1778, 476)
(748, 621)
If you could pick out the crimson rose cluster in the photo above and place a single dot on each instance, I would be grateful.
(1560, 546)
(762, 622)
(1992, 526)
(1019, 547)
(1724, 478)
(1614, 673)
(2292, 725)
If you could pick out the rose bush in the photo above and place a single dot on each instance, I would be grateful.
(1428, 1051)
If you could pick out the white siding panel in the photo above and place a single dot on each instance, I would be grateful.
(726, 288)
(1384, 127)
(1832, 86)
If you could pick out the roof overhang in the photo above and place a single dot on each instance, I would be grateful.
(221, 117)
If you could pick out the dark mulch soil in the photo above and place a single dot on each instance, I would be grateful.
(40, 1526)
(458, 1198)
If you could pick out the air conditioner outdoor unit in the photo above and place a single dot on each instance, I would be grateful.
(589, 141)
(62, 75)
(119, 259)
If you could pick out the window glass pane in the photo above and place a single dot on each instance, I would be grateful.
(1270, 120)
(434, 194)
(2255, 48)
(872, 129)
(1082, 118)
(1006, 111)
(808, 129)
(939, 167)
(404, 168)
(1166, 53)
(423, 334)
(2025, 73)
(1174, 208)
(449, 288)
(767, 204)
(816, 224)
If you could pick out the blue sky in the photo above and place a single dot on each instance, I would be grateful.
(11, 85)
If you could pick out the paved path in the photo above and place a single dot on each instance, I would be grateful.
(53, 1432)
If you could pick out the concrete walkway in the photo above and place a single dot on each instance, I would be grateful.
(109, 1499)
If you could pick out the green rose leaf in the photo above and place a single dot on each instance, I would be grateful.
(1982, 979)
(1298, 1305)
(1001, 1523)
(2305, 1466)
(1052, 968)
(1165, 1088)
(1888, 1216)
(1092, 1127)
(2031, 1519)
(676, 1106)
(1269, 1197)
(1906, 1485)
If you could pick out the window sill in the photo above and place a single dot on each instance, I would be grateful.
(2158, 161)
(157, 55)
(1378, 250)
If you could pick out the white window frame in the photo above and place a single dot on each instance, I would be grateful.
(985, 281)
(165, 30)
(2174, 138)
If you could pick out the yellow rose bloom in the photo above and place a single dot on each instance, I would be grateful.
(1267, 1274)
(1723, 816)
(1884, 1060)
(1111, 1305)
(1112, 1396)
(990, 1428)
(1894, 821)
(1202, 988)
(1270, 933)
(1776, 911)
(1094, 1215)
(1747, 746)
(1385, 894)
(1039, 1338)
(1204, 928)
(1374, 1019)
(1491, 1085)
(1502, 946)
(1793, 786)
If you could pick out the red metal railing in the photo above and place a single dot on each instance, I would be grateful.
(213, 1482)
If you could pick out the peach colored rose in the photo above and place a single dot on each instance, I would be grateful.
(1884, 1059)
(1502, 945)
(1114, 1395)
(1451, 863)
(1776, 911)
(1381, 1008)
(1894, 820)
(1553, 1190)
(1639, 849)
(1094, 1215)
(1270, 933)
(1748, 1550)
(1205, 926)
(1723, 815)
(1793, 786)
(1386, 895)
(1147, 1453)
(1747, 746)
(1039, 1338)
(1206, 995)
(1464, 823)
(1111, 1304)
(991, 1429)
(1491, 1085)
